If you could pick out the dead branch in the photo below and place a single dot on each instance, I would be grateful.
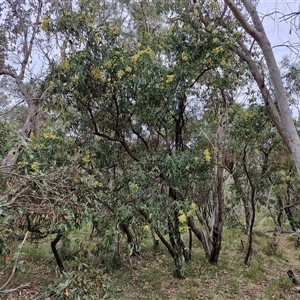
(2, 288)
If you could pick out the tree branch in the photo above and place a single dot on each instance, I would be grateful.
(14, 270)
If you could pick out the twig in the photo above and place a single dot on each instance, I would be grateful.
(14, 270)
(20, 287)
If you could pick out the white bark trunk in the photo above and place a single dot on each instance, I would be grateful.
(287, 130)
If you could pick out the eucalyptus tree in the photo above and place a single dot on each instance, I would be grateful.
(251, 162)
(21, 28)
(271, 85)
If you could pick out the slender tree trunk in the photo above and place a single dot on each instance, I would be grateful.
(253, 210)
(175, 255)
(218, 197)
(56, 254)
(131, 239)
(246, 202)
(201, 235)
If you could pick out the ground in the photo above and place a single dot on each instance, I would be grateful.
(150, 276)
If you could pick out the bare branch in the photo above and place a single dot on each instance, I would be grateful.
(14, 268)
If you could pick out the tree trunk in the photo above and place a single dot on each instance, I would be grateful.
(56, 254)
(130, 239)
(201, 235)
(29, 126)
(176, 257)
(245, 200)
(283, 119)
(218, 197)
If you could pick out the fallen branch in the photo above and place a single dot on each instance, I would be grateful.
(2, 288)
(16, 289)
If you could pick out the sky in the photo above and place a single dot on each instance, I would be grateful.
(280, 32)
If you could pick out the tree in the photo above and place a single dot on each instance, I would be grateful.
(22, 26)
(281, 115)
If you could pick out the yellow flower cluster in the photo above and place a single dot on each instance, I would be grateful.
(35, 166)
(182, 217)
(192, 210)
(97, 184)
(86, 158)
(114, 29)
(45, 23)
(183, 228)
(97, 38)
(50, 136)
(74, 79)
(97, 73)
(146, 227)
(147, 51)
(120, 73)
(108, 64)
(184, 56)
(64, 65)
(206, 155)
(22, 164)
(170, 78)
(128, 69)
(223, 63)
(218, 50)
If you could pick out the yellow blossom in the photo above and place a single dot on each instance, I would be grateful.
(86, 158)
(97, 73)
(206, 155)
(128, 69)
(66, 13)
(223, 63)
(65, 65)
(74, 79)
(192, 210)
(193, 206)
(146, 227)
(182, 218)
(35, 166)
(45, 23)
(187, 167)
(50, 136)
(215, 40)
(120, 73)
(170, 78)
(114, 29)
(21, 164)
(97, 38)
(140, 53)
(97, 184)
(108, 64)
(183, 229)
(218, 49)
(184, 56)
